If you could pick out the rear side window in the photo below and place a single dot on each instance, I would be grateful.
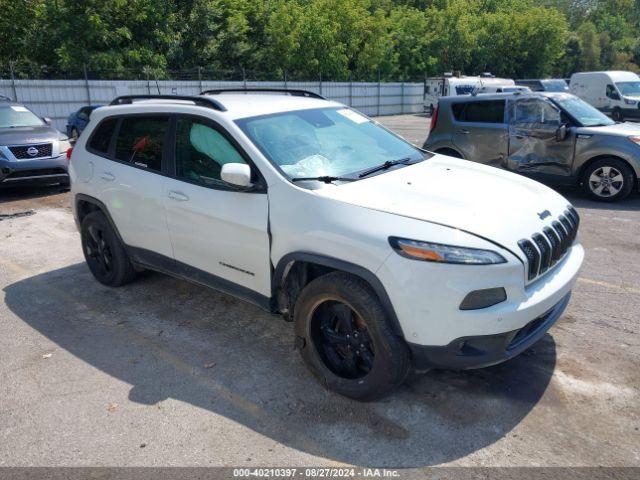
(101, 137)
(490, 111)
(141, 141)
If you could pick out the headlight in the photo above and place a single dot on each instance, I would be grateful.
(629, 101)
(635, 140)
(64, 146)
(436, 252)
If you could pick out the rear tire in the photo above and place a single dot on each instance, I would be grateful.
(104, 253)
(617, 115)
(346, 340)
(608, 180)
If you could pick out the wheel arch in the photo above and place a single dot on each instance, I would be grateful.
(308, 266)
(85, 204)
(449, 151)
(604, 156)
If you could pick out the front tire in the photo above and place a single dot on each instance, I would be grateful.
(104, 253)
(608, 180)
(346, 340)
(617, 115)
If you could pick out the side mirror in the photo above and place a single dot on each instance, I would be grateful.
(237, 174)
(561, 133)
(47, 120)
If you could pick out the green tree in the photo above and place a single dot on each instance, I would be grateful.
(590, 43)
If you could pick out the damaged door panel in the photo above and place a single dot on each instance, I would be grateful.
(481, 133)
(540, 141)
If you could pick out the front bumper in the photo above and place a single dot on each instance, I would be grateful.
(43, 171)
(485, 350)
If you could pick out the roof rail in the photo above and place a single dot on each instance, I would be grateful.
(197, 100)
(291, 91)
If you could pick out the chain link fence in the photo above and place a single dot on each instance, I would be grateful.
(57, 97)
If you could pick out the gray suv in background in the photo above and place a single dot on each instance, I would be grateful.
(555, 138)
(31, 150)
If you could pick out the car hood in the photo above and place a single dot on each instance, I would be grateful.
(494, 204)
(619, 129)
(27, 135)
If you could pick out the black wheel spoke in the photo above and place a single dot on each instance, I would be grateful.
(349, 364)
(367, 357)
(343, 340)
(333, 337)
(344, 316)
(95, 235)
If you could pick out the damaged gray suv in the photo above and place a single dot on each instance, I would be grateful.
(555, 138)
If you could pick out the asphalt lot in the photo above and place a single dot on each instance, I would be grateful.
(163, 372)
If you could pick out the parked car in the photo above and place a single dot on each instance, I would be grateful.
(502, 89)
(383, 255)
(615, 93)
(555, 138)
(545, 84)
(31, 150)
(78, 120)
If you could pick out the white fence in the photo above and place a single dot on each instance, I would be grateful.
(57, 98)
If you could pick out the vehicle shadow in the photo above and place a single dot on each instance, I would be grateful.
(11, 194)
(171, 339)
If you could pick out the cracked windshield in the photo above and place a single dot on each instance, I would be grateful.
(325, 142)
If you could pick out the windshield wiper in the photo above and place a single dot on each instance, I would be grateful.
(384, 166)
(323, 178)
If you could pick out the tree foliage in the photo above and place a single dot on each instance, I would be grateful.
(338, 39)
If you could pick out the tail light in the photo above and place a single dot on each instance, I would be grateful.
(69, 150)
(434, 118)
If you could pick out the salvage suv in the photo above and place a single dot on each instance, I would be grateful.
(384, 256)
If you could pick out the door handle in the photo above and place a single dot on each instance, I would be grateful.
(179, 196)
(109, 177)
(464, 131)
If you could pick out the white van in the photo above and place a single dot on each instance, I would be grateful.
(616, 93)
(445, 86)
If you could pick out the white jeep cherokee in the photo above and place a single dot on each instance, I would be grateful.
(384, 255)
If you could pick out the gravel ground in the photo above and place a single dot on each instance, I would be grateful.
(163, 372)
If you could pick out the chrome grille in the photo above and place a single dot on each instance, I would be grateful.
(544, 249)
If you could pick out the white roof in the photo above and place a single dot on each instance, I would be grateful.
(614, 75)
(240, 105)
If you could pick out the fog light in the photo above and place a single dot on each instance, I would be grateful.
(483, 298)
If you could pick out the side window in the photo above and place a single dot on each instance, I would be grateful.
(201, 151)
(611, 92)
(535, 113)
(458, 110)
(485, 112)
(141, 140)
(101, 137)
(83, 113)
(480, 112)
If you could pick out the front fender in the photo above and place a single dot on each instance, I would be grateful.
(588, 148)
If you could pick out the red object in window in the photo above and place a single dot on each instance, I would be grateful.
(141, 144)
(69, 150)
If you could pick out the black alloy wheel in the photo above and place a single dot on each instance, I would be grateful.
(98, 252)
(342, 339)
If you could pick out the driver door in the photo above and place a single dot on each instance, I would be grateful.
(215, 229)
(534, 148)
